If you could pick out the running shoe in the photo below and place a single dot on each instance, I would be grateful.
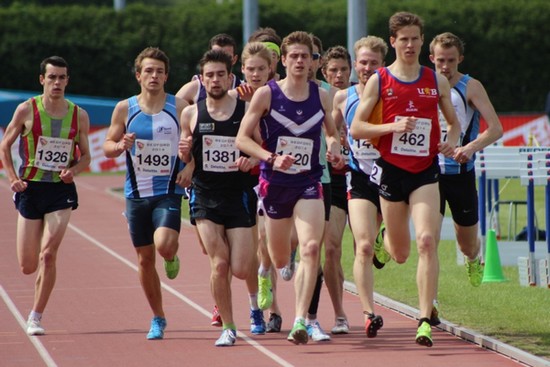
(257, 323)
(298, 334)
(274, 324)
(288, 271)
(172, 268)
(424, 335)
(475, 271)
(216, 318)
(373, 324)
(34, 327)
(434, 316)
(158, 324)
(227, 338)
(341, 326)
(381, 256)
(316, 333)
(265, 292)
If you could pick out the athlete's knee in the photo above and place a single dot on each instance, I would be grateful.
(48, 257)
(168, 250)
(426, 243)
(146, 261)
(364, 249)
(240, 272)
(332, 253)
(309, 250)
(28, 267)
(220, 269)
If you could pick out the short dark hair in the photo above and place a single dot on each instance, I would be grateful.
(215, 56)
(223, 40)
(336, 52)
(55, 61)
(404, 19)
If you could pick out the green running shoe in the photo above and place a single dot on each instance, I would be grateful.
(298, 334)
(475, 271)
(265, 293)
(172, 268)
(381, 256)
(424, 335)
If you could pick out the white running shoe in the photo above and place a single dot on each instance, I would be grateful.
(227, 338)
(316, 333)
(34, 327)
(341, 326)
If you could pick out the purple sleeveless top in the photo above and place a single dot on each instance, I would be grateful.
(286, 120)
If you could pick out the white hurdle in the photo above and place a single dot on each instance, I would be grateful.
(532, 166)
(536, 172)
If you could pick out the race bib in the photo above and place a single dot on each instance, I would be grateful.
(344, 151)
(363, 149)
(300, 148)
(52, 154)
(219, 153)
(152, 157)
(443, 126)
(376, 174)
(415, 143)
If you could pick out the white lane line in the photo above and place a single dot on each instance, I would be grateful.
(23, 324)
(185, 299)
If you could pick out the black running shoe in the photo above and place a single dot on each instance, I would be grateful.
(274, 324)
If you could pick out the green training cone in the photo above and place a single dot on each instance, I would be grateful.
(493, 270)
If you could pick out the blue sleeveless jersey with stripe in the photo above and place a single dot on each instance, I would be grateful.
(161, 127)
(355, 163)
(469, 127)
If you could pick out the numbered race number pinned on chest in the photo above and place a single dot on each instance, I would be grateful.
(415, 143)
(53, 154)
(152, 157)
(219, 153)
(363, 149)
(300, 148)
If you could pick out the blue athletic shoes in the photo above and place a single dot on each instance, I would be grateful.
(158, 324)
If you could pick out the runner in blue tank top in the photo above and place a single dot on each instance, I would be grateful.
(363, 202)
(289, 115)
(457, 184)
(146, 128)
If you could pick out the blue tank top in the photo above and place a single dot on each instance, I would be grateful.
(469, 128)
(293, 128)
(153, 163)
(362, 154)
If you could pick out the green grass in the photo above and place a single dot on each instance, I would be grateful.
(516, 315)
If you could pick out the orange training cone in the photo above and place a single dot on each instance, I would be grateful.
(493, 270)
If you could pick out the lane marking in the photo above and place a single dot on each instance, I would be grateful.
(280, 361)
(46, 357)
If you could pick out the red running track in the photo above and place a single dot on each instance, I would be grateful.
(98, 315)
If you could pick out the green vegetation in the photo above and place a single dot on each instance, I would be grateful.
(101, 44)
